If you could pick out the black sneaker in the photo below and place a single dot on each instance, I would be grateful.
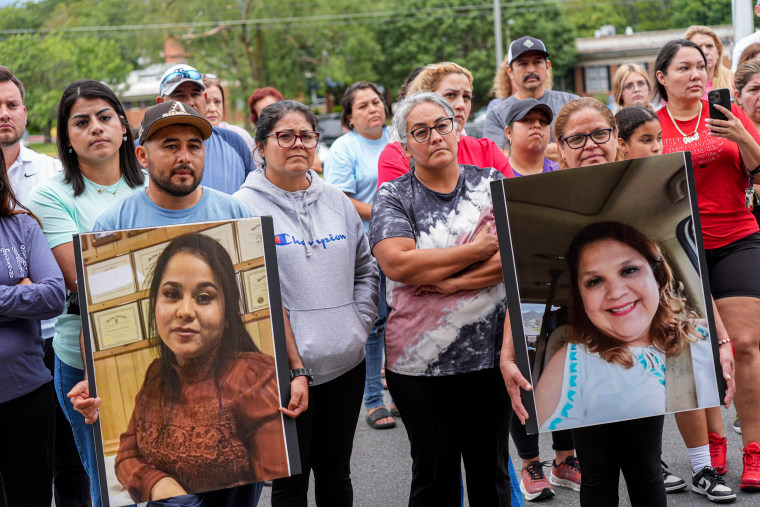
(707, 482)
(672, 482)
(737, 426)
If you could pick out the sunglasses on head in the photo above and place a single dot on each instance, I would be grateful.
(180, 74)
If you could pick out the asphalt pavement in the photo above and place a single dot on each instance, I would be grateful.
(381, 468)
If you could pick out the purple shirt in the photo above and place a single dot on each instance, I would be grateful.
(25, 254)
(549, 165)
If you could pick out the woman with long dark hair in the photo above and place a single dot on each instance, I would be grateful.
(96, 149)
(31, 288)
(209, 380)
(724, 152)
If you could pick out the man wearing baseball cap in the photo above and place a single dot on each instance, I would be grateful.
(529, 68)
(171, 138)
(228, 159)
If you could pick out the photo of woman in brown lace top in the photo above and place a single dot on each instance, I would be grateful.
(206, 416)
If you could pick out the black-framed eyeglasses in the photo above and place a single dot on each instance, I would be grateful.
(578, 141)
(180, 74)
(422, 134)
(288, 139)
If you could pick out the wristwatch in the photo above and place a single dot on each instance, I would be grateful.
(302, 372)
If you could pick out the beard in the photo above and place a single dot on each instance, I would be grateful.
(175, 189)
(8, 140)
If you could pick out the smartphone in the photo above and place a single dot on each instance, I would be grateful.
(721, 96)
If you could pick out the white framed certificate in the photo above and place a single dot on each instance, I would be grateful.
(256, 289)
(117, 326)
(224, 235)
(145, 260)
(110, 279)
(250, 239)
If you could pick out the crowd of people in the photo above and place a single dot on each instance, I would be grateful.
(415, 286)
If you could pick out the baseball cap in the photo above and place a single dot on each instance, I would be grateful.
(521, 108)
(171, 112)
(523, 45)
(178, 74)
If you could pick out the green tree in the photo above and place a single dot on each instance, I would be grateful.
(700, 12)
(428, 31)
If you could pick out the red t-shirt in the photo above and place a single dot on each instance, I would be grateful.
(719, 176)
(473, 151)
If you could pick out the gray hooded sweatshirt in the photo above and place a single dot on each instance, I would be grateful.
(328, 277)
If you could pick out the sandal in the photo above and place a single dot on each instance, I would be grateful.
(395, 412)
(378, 414)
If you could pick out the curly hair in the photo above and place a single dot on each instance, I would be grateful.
(432, 75)
(672, 326)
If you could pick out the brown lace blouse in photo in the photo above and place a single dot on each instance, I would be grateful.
(212, 439)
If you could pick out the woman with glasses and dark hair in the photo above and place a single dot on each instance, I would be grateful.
(100, 168)
(329, 286)
(31, 288)
(351, 165)
(724, 154)
(432, 232)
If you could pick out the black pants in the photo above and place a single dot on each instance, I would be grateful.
(325, 442)
(71, 482)
(633, 447)
(27, 440)
(450, 419)
(527, 445)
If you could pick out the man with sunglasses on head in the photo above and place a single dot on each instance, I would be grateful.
(228, 159)
(530, 70)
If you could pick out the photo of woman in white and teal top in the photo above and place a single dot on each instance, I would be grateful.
(627, 322)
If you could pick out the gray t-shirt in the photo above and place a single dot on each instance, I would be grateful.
(497, 116)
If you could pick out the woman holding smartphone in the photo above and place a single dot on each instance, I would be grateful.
(724, 152)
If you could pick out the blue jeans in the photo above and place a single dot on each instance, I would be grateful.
(514, 487)
(373, 382)
(66, 377)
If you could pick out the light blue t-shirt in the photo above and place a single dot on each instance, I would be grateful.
(63, 215)
(351, 165)
(139, 211)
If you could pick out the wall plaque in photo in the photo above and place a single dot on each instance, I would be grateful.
(145, 259)
(250, 240)
(161, 416)
(117, 326)
(608, 311)
(255, 284)
(224, 235)
(110, 279)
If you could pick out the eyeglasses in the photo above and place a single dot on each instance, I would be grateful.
(288, 139)
(180, 74)
(443, 127)
(636, 84)
(578, 141)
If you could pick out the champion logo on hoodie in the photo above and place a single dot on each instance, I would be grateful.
(286, 239)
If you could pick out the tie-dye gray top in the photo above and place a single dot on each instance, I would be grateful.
(439, 334)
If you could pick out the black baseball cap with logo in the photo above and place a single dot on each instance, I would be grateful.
(520, 109)
(171, 112)
(523, 45)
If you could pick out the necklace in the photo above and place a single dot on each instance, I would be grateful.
(107, 189)
(694, 135)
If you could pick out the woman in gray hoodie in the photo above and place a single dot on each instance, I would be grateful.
(329, 282)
